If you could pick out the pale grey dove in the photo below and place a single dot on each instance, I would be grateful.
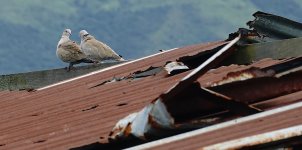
(97, 50)
(69, 51)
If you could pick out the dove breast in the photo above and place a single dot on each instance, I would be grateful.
(68, 51)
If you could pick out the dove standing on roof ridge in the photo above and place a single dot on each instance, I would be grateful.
(69, 51)
(97, 50)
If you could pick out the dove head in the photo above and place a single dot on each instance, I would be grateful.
(84, 34)
(66, 32)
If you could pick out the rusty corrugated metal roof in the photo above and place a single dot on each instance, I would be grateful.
(81, 112)
(175, 109)
(72, 119)
(74, 114)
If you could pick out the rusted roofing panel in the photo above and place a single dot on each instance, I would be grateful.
(83, 110)
(69, 120)
(74, 114)
(80, 113)
(281, 118)
(177, 113)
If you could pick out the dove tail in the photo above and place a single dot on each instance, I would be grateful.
(121, 58)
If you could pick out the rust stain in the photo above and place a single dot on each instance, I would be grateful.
(242, 75)
(17, 125)
(261, 88)
(128, 130)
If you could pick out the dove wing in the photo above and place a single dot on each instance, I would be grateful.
(104, 51)
(74, 50)
(72, 47)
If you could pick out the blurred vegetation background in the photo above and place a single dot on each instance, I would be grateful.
(30, 29)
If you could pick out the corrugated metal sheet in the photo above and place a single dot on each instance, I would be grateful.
(177, 111)
(81, 112)
(163, 115)
(74, 114)
(77, 113)
(159, 116)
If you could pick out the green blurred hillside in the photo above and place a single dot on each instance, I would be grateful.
(30, 29)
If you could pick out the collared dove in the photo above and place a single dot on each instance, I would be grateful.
(97, 50)
(69, 51)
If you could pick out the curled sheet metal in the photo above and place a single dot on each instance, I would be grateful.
(175, 67)
(155, 117)
(149, 120)
(189, 110)
(275, 26)
(162, 117)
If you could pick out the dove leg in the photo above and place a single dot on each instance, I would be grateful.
(70, 66)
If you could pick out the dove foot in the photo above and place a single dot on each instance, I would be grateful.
(70, 67)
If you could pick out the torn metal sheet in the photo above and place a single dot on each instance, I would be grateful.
(249, 53)
(114, 79)
(171, 68)
(145, 73)
(156, 118)
(170, 113)
(175, 67)
(279, 78)
(193, 61)
(200, 70)
(243, 55)
(136, 75)
(275, 26)
(198, 102)
(150, 120)
(249, 36)
(246, 54)
(207, 106)
(260, 88)
(258, 140)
